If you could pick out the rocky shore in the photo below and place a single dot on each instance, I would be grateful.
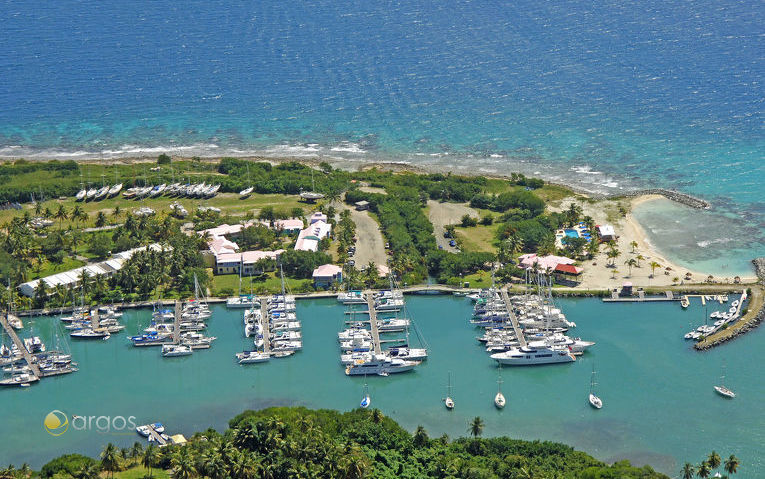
(747, 323)
(676, 196)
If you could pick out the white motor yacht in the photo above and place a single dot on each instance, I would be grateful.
(252, 357)
(380, 365)
(530, 356)
(175, 350)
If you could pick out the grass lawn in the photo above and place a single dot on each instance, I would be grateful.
(139, 472)
(477, 238)
(229, 203)
(272, 284)
(552, 193)
(481, 279)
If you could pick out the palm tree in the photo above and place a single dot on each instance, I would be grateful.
(614, 273)
(110, 459)
(630, 263)
(137, 449)
(77, 213)
(476, 427)
(183, 464)
(89, 471)
(117, 212)
(100, 219)
(61, 215)
(25, 470)
(731, 464)
(638, 258)
(688, 471)
(703, 470)
(634, 245)
(714, 460)
(420, 437)
(150, 456)
(653, 266)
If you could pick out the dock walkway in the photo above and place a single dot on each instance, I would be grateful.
(20, 345)
(513, 318)
(177, 323)
(373, 321)
(641, 298)
(265, 324)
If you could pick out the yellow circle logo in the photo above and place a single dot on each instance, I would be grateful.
(56, 423)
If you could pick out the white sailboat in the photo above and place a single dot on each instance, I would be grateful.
(247, 191)
(594, 400)
(499, 399)
(722, 390)
(448, 401)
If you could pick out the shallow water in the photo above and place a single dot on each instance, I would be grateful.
(659, 404)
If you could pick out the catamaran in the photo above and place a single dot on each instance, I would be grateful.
(174, 350)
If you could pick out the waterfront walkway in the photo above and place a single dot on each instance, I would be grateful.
(265, 324)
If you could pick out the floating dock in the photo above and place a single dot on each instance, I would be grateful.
(641, 298)
(370, 295)
(22, 348)
(177, 323)
(266, 324)
(513, 318)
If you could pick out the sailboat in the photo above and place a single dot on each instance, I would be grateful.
(448, 401)
(722, 390)
(365, 399)
(247, 191)
(240, 301)
(499, 399)
(595, 401)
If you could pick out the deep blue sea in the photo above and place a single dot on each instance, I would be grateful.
(609, 94)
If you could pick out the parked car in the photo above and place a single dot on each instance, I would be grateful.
(452, 243)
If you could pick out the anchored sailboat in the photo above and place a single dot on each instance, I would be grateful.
(365, 399)
(448, 401)
(722, 390)
(595, 401)
(499, 399)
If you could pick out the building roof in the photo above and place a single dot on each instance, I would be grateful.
(327, 271)
(308, 239)
(543, 262)
(220, 245)
(606, 230)
(248, 257)
(568, 269)
(289, 224)
(318, 216)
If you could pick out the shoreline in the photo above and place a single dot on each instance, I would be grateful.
(635, 197)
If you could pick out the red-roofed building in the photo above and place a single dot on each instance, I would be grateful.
(567, 273)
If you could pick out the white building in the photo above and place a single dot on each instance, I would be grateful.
(228, 263)
(71, 279)
(326, 275)
(309, 238)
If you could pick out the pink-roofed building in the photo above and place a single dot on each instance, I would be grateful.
(544, 263)
(318, 216)
(326, 275)
(289, 226)
(220, 245)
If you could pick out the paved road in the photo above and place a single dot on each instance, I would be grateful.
(370, 245)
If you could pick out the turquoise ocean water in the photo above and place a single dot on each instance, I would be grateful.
(659, 404)
(607, 95)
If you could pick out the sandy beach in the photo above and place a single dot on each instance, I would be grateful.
(599, 274)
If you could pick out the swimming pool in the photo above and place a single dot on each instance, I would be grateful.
(571, 233)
